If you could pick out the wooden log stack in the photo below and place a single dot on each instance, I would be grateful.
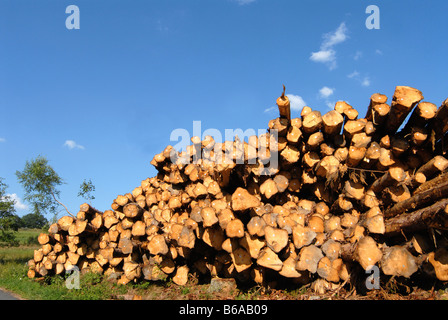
(315, 197)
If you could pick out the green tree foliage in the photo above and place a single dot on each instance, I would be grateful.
(40, 181)
(86, 190)
(8, 219)
(33, 221)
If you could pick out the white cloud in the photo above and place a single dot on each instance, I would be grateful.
(2, 140)
(325, 92)
(327, 54)
(18, 204)
(270, 109)
(330, 104)
(73, 145)
(363, 80)
(297, 102)
(358, 55)
(379, 52)
(354, 74)
(323, 56)
(336, 37)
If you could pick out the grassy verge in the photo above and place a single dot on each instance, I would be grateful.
(13, 270)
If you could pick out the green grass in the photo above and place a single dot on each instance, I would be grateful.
(13, 277)
(27, 236)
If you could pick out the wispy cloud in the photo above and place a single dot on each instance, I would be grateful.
(363, 80)
(296, 102)
(325, 92)
(358, 55)
(379, 52)
(244, 2)
(327, 54)
(270, 109)
(18, 204)
(73, 145)
(161, 26)
(2, 140)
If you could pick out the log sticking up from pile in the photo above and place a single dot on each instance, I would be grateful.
(312, 198)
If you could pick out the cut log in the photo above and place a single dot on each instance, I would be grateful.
(311, 122)
(433, 216)
(293, 136)
(284, 106)
(87, 208)
(367, 252)
(436, 165)
(65, 222)
(241, 259)
(243, 200)
(355, 155)
(187, 238)
(276, 239)
(439, 260)
(418, 200)
(380, 113)
(403, 101)
(375, 99)
(209, 217)
(256, 226)
(43, 238)
(397, 261)
(181, 277)
(439, 180)
(235, 229)
(302, 236)
(374, 221)
(268, 188)
(252, 244)
(282, 182)
(421, 116)
(439, 124)
(158, 245)
(332, 122)
(393, 176)
(315, 140)
(290, 154)
(329, 269)
(269, 259)
(132, 210)
(309, 258)
(354, 190)
(331, 249)
(79, 227)
(289, 268)
(352, 127)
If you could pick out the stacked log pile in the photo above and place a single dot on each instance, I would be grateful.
(315, 197)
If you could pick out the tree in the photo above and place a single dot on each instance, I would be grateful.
(39, 180)
(8, 219)
(86, 189)
(34, 220)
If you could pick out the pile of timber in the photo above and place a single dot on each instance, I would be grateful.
(317, 197)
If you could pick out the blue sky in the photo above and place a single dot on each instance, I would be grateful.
(100, 101)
